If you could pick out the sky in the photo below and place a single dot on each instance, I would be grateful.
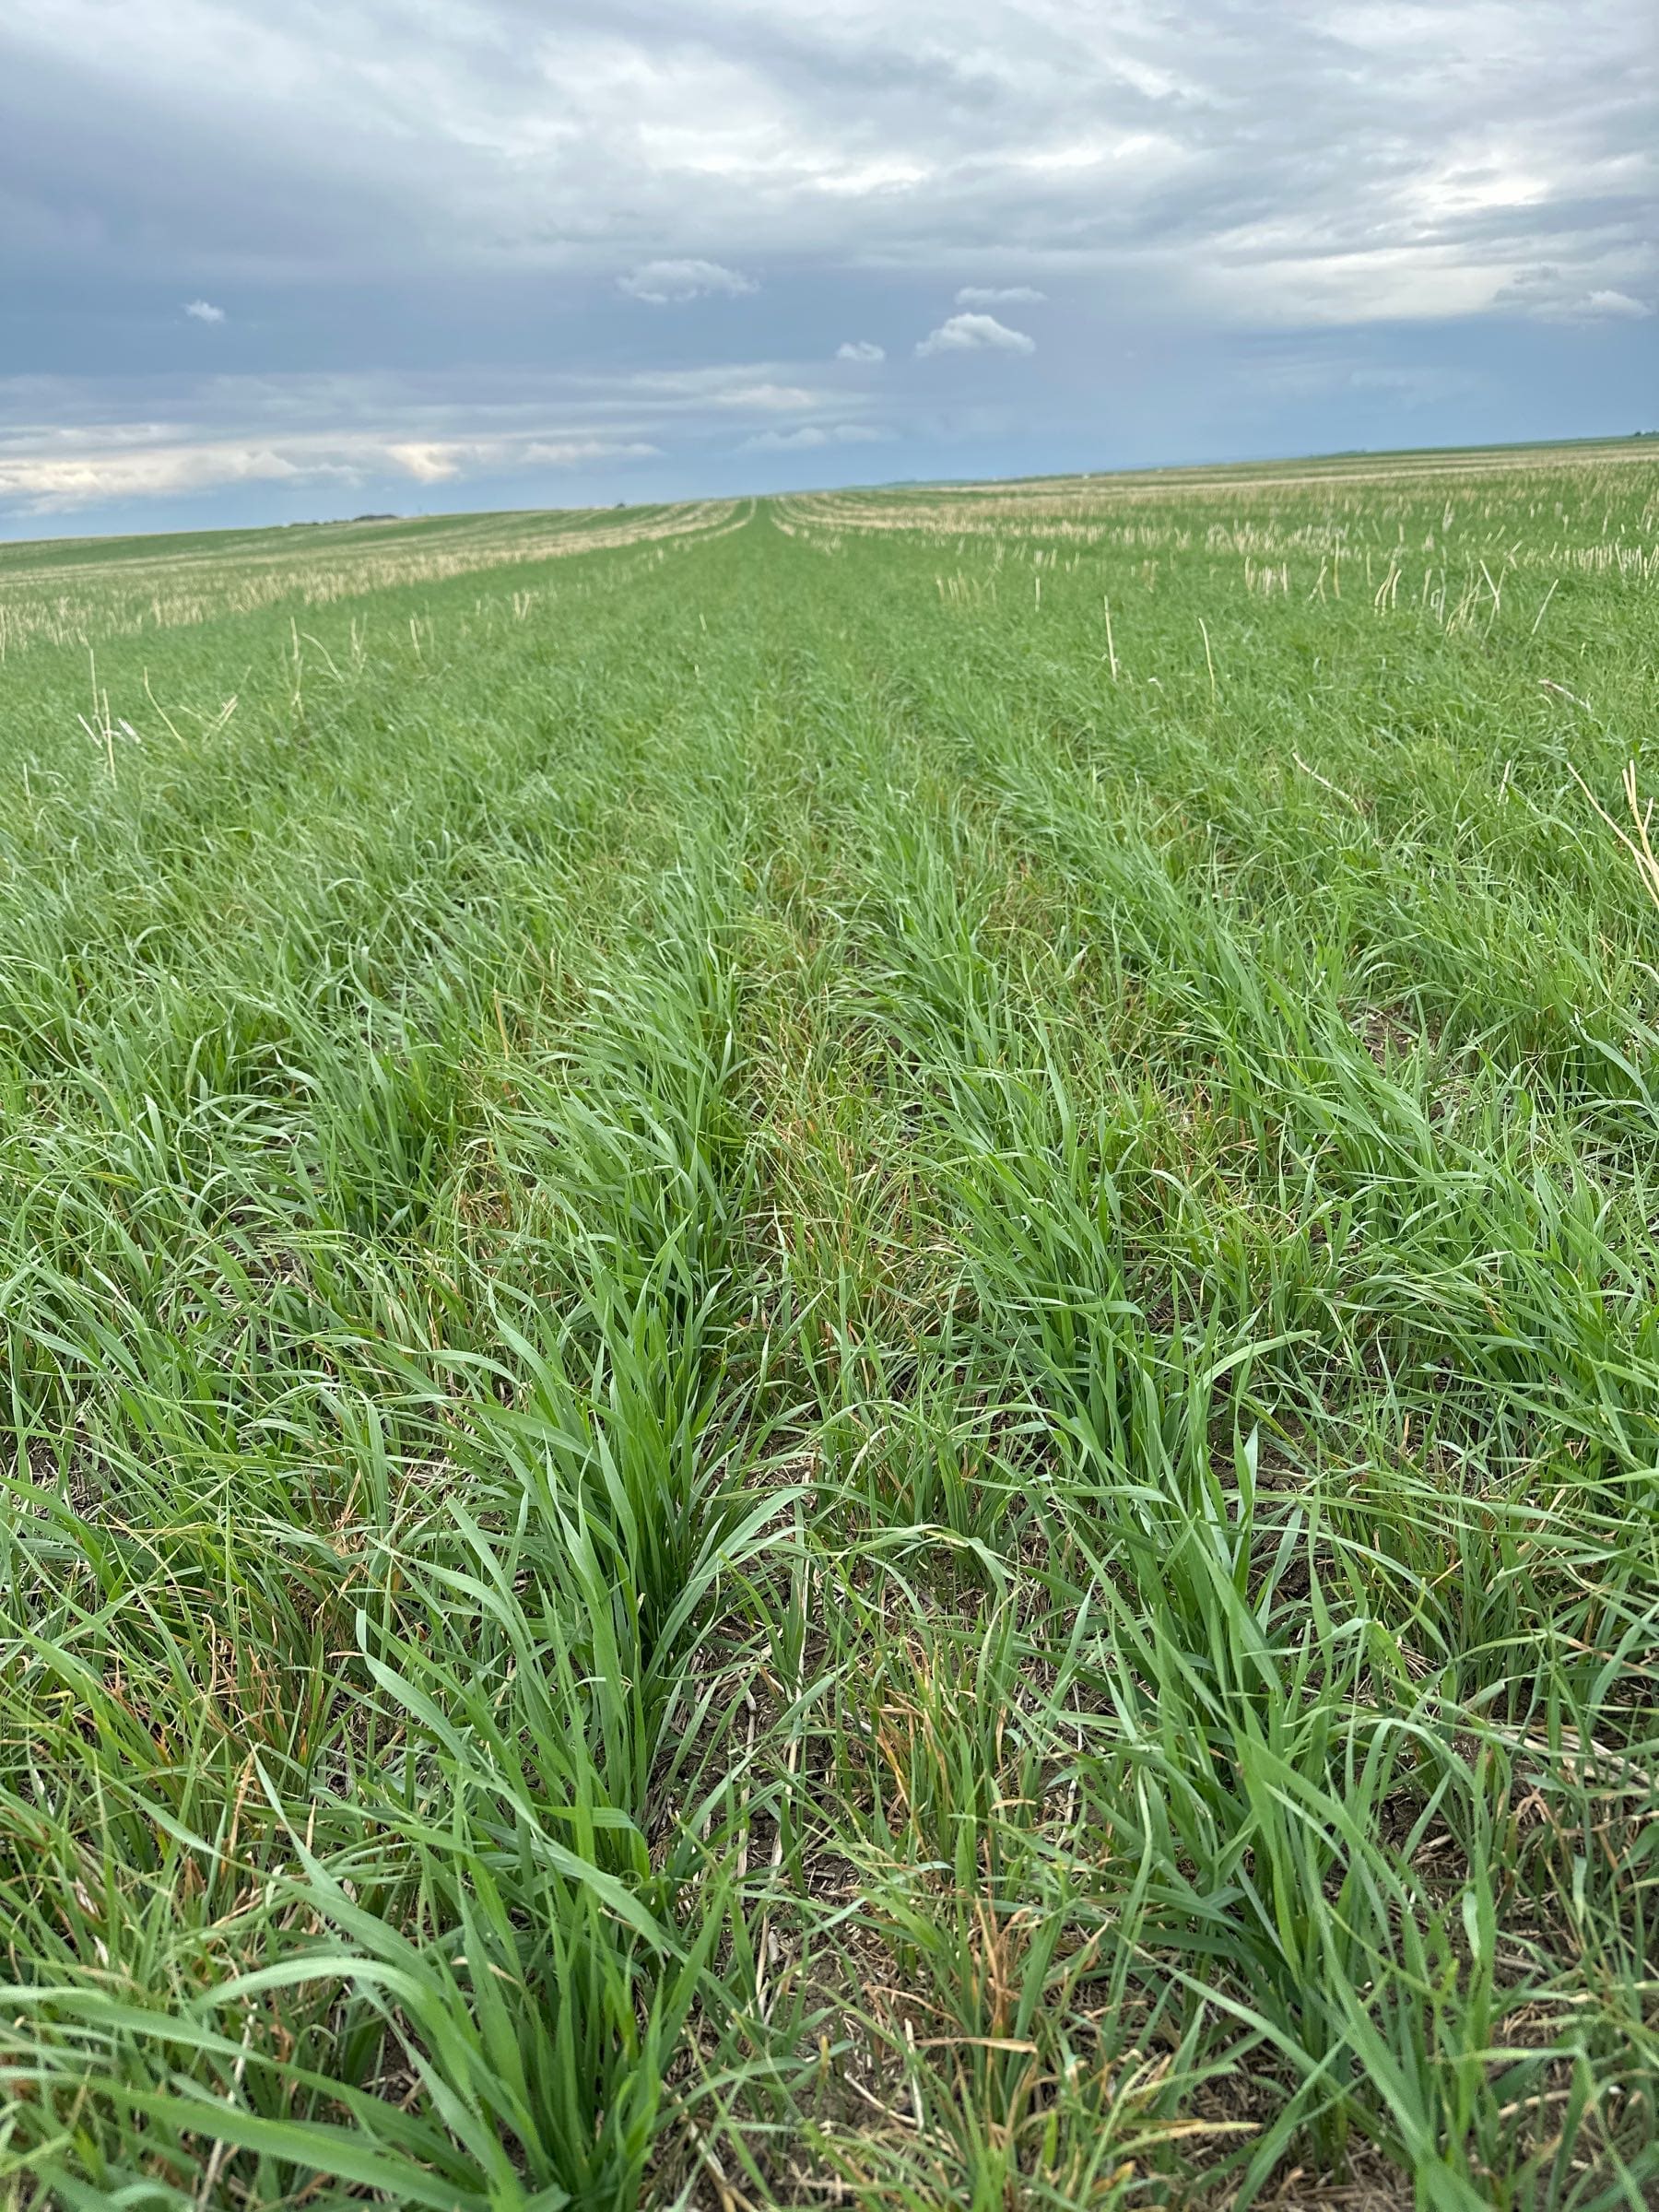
(263, 260)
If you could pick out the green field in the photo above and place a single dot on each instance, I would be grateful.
(830, 1351)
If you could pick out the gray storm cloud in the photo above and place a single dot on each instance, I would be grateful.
(381, 222)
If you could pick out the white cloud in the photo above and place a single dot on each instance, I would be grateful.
(665, 283)
(50, 472)
(999, 295)
(814, 434)
(53, 484)
(975, 334)
(1553, 295)
(565, 453)
(771, 399)
(1619, 305)
(428, 461)
(436, 461)
(204, 311)
(860, 349)
(726, 384)
(64, 445)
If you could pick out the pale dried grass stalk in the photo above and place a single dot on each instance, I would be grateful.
(1638, 847)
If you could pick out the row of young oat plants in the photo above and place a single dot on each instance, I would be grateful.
(375, 1183)
(830, 1361)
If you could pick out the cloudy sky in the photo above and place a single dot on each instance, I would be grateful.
(264, 259)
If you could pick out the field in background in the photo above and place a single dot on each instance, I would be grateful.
(70, 593)
(832, 1351)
